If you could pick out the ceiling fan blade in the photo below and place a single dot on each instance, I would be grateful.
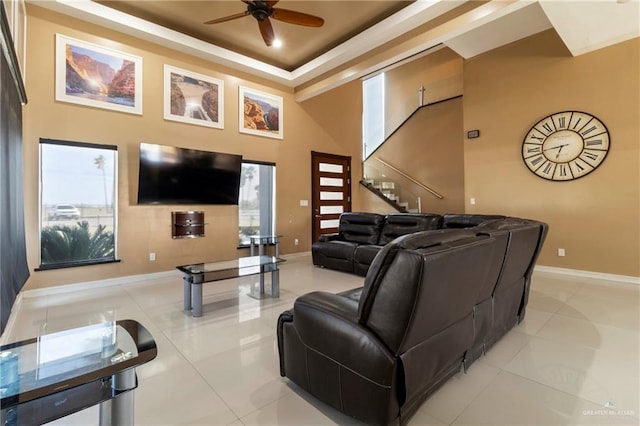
(267, 31)
(228, 18)
(298, 18)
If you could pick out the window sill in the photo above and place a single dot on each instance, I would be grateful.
(75, 264)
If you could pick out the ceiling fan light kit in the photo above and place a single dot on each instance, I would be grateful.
(263, 10)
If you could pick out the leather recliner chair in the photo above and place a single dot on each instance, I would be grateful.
(504, 307)
(395, 225)
(336, 251)
(378, 352)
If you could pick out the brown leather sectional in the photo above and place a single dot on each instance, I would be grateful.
(432, 303)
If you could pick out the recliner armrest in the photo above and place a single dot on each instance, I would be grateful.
(329, 237)
(327, 323)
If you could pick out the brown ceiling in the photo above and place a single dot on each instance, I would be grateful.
(343, 20)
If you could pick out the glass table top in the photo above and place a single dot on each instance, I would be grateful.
(242, 266)
(54, 362)
(258, 238)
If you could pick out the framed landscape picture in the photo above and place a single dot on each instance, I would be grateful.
(92, 75)
(193, 98)
(260, 113)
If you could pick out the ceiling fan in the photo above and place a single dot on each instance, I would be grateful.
(263, 10)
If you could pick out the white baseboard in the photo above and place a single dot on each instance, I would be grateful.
(99, 283)
(295, 255)
(589, 274)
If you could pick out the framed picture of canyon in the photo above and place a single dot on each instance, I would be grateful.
(193, 98)
(96, 76)
(260, 113)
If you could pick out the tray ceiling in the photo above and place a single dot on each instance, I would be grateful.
(359, 36)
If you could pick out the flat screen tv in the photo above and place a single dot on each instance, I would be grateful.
(172, 175)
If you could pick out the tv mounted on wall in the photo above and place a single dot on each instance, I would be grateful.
(172, 175)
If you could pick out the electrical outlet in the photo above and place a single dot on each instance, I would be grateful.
(152, 257)
(561, 252)
(296, 242)
(472, 201)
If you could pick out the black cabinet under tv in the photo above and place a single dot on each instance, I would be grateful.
(187, 224)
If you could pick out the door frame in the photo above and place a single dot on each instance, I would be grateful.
(315, 190)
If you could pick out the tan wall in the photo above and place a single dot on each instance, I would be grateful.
(440, 73)
(595, 218)
(143, 229)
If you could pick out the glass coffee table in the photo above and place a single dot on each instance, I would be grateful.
(53, 375)
(197, 274)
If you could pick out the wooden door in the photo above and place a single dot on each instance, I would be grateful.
(331, 191)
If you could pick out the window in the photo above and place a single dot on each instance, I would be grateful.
(78, 203)
(372, 113)
(256, 204)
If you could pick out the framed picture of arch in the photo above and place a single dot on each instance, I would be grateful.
(260, 113)
(92, 75)
(193, 98)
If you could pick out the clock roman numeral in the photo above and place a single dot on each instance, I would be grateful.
(535, 149)
(590, 155)
(547, 127)
(579, 167)
(561, 122)
(589, 130)
(547, 168)
(537, 160)
(594, 142)
(563, 171)
(577, 122)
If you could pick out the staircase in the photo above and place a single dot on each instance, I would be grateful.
(386, 191)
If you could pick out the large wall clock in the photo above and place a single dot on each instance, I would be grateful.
(565, 146)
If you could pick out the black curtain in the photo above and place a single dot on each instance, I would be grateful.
(13, 254)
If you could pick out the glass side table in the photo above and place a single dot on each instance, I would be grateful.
(54, 375)
(264, 240)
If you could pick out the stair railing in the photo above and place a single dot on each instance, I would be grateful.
(406, 176)
(389, 189)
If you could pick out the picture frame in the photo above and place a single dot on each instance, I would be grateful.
(193, 98)
(260, 113)
(91, 75)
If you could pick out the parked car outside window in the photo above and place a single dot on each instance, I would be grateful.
(64, 211)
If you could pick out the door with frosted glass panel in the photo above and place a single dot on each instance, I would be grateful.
(331, 191)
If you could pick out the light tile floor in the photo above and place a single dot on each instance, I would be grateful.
(573, 361)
